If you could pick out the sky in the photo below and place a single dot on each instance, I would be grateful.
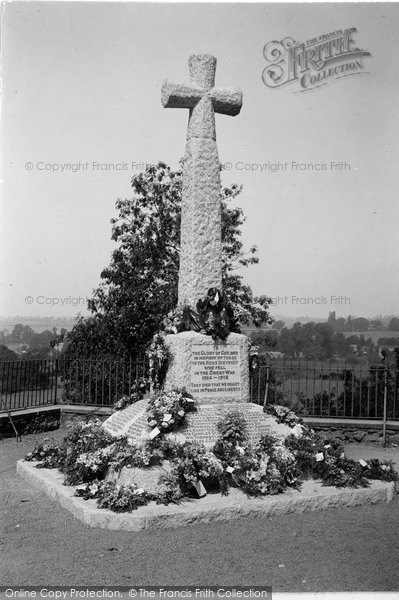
(81, 84)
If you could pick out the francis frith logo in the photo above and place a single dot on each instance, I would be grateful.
(314, 63)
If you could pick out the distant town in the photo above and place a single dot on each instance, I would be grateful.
(356, 338)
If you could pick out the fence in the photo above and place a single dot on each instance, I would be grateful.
(33, 383)
(319, 389)
(312, 389)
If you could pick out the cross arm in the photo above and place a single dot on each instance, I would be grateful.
(227, 101)
(180, 95)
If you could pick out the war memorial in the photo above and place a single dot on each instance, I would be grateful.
(208, 374)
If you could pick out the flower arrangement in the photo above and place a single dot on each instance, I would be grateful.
(173, 320)
(253, 354)
(47, 452)
(90, 466)
(152, 452)
(325, 459)
(267, 467)
(167, 410)
(381, 469)
(138, 389)
(158, 356)
(116, 497)
(84, 438)
(194, 463)
(283, 414)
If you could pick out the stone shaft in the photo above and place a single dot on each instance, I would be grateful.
(200, 234)
(201, 244)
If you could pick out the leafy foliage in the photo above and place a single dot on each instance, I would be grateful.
(41, 423)
(139, 287)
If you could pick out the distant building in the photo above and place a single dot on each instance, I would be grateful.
(332, 317)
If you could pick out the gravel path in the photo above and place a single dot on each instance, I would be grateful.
(334, 550)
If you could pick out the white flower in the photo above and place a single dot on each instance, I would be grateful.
(297, 431)
(283, 454)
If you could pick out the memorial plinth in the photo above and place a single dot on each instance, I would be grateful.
(200, 426)
(211, 371)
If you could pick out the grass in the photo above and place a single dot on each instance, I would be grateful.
(335, 550)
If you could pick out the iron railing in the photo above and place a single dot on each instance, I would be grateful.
(310, 388)
(30, 383)
(318, 389)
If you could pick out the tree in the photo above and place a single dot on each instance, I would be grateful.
(6, 354)
(339, 344)
(393, 324)
(290, 341)
(323, 336)
(278, 325)
(139, 287)
(22, 333)
(360, 324)
(340, 325)
(266, 340)
(313, 340)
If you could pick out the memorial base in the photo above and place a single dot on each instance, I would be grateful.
(211, 371)
(200, 426)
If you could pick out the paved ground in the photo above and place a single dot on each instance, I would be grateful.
(334, 550)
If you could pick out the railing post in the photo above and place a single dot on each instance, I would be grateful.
(267, 385)
(384, 423)
(56, 381)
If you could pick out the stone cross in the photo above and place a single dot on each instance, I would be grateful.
(201, 244)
